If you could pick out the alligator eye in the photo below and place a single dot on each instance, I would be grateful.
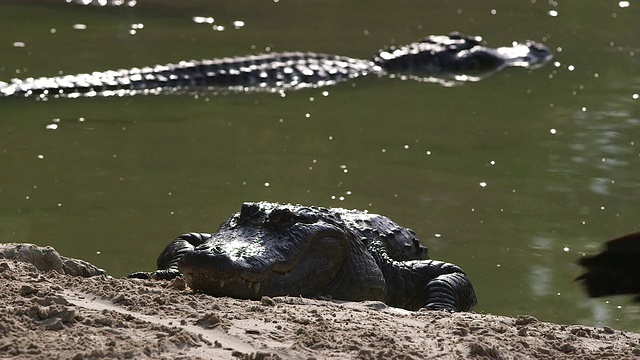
(248, 211)
(281, 216)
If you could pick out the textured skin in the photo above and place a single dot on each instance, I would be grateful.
(267, 72)
(457, 58)
(446, 60)
(274, 249)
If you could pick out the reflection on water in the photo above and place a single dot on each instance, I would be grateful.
(602, 143)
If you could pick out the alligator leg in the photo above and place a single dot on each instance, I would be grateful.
(168, 259)
(428, 284)
(450, 292)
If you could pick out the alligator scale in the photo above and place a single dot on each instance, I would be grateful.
(447, 60)
(272, 249)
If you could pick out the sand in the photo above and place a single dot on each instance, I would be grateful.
(51, 315)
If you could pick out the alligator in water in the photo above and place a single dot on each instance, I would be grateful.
(614, 271)
(447, 60)
(272, 249)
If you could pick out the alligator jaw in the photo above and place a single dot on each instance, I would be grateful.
(222, 287)
(314, 266)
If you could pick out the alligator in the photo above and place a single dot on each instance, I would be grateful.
(615, 270)
(446, 59)
(270, 249)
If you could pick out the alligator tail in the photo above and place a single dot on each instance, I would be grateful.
(269, 72)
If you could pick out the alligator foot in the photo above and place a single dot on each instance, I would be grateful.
(140, 275)
(168, 260)
(450, 292)
(164, 274)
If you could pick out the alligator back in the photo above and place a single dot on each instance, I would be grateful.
(267, 72)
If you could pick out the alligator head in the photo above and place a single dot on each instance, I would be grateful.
(458, 57)
(272, 249)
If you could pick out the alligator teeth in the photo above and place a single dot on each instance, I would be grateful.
(256, 287)
(221, 283)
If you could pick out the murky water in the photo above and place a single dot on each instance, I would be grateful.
(512, 178)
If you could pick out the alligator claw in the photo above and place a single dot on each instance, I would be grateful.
(139, 275)
(164, 274)
(440, 307)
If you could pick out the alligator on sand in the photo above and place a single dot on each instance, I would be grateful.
(270, 249)
(446, 59)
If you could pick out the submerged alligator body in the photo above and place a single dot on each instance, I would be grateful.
(447, 60)
(272, 249)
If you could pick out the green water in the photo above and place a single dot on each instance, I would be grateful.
(555, 148)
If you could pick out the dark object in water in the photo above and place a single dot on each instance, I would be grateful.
(614, 271)
(446, 59)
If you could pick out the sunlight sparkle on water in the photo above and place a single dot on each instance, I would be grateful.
(203, 19)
